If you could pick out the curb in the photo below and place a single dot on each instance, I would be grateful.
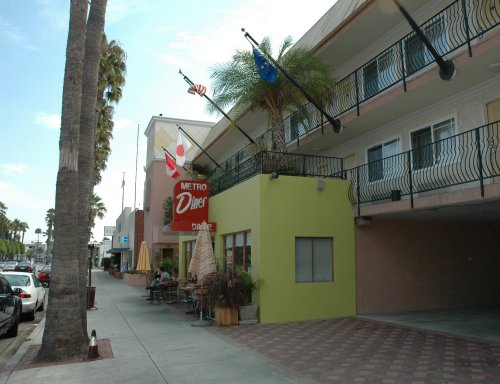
(14, 360)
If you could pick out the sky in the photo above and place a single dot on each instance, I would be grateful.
(160, 37)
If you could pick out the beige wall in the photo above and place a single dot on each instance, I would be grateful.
(404, 265)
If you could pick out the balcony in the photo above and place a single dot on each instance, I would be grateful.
(458, 26)
(275, 164)
(469, 157)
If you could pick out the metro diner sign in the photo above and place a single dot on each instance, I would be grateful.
(191, 206)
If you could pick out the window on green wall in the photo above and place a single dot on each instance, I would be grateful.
(238, 251)
(313, 259)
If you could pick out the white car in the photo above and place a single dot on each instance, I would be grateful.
(31, 291)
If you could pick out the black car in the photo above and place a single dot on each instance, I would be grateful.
(10, 309)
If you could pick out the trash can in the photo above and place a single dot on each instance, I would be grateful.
(90, 297)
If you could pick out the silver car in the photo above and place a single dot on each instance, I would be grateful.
(10, 266)
(31, 291)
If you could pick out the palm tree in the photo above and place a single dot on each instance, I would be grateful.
(23, 227)
(4, 222)
(97, 209)
(65, 334)
(238, 83)
(38, 232)
(112, 69)
(15, 228)
(49, 220)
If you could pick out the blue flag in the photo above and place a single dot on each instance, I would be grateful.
(267, 71)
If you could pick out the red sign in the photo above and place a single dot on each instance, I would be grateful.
(191, 206)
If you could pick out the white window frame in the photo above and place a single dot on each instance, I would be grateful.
(383, 144)
(427, 56)
(436, 157)
(385, 64)
(306, 255)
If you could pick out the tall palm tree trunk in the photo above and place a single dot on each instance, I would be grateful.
(88, 123)
(63, 335)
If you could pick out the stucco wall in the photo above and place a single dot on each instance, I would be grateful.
(277, 211)
(415, 265)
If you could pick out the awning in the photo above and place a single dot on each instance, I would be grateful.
(118, 250)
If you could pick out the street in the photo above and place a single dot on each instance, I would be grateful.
(9, 346)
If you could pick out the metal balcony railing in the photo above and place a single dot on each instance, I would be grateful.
(472, 156)
(454, 27)
(279, 163)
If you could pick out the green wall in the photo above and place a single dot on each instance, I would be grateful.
(277, 211)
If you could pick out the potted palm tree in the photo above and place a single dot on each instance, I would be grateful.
(246, 286)
(237, 82)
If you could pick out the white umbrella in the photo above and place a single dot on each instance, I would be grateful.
(203, 260)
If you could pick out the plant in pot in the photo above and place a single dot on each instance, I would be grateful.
(246, 286)
(226, 295)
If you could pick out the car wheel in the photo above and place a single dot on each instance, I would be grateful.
(12, 332)
(42, 306)
(31, 315)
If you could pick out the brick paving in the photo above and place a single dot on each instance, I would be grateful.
(350, 350)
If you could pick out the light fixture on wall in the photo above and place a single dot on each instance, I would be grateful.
(363, 221)
(273, 175)
(320, 184)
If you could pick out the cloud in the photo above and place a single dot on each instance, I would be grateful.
(120, 9)
(13, 169)
(122, 124)
(175, 60)
(50, 121)
(11, 35)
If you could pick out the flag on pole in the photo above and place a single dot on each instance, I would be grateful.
(171, 167)
(267, 71)
(183, 146)
(197, 88)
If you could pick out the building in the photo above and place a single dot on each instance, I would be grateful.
(127, 237)
(162, 133)
(400, 210)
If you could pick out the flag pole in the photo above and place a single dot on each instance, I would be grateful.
(205, 152)
(188, 80)
(446, 68)
(336, 124)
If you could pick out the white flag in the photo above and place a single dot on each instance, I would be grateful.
(183, 146)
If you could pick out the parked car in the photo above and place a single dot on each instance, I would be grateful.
(10, 309)
(31, 291)
(10, 266)
(24, 266)
(44, 274)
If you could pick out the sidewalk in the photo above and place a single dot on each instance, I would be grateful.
(150, 344)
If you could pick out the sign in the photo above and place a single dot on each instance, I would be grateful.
(108, 230)
(125, 239)
(191, 206)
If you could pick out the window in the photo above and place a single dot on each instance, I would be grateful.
(416, 54)
(433, 144)
(313, 259)
(238, 251)
(379, 157)
(379, 73)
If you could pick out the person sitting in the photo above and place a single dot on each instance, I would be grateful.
(155, 282)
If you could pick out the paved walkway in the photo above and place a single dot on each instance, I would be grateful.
(151, 343)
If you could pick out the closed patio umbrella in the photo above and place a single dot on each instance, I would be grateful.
(203, 260)
(143, 264)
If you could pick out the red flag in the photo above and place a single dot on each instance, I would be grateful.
(171, 167)
(197, 88)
